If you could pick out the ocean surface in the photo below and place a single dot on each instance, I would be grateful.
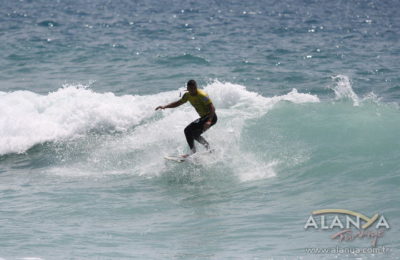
(307, 95)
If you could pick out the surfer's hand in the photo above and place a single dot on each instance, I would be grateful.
(160, 107)
(207, 125)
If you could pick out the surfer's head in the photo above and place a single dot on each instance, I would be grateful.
(192, 87)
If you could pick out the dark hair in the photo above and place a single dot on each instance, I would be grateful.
(192, 82)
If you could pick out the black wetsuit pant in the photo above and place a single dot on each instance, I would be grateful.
(195, 129)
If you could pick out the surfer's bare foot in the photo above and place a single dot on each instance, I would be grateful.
(185, 155)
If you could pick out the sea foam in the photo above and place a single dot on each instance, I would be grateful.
(72, 112)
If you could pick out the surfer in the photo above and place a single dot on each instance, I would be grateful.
(206, 110)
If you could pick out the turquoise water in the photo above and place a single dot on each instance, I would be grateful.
(307, 96)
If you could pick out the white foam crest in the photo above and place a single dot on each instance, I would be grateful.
(343, 89)
(27, 118)
(235, 97)
(295, 97)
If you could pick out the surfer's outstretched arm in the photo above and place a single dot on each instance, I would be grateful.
(171, 105)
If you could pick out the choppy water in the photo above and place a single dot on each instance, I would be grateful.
(307, 96)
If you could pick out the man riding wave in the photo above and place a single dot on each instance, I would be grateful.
(204, 107)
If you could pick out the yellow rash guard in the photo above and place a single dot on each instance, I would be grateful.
(201, 102)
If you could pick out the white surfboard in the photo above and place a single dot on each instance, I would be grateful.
(175, 158)
(191, 158)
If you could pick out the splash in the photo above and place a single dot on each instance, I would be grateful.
(28, 118)
(343, 89)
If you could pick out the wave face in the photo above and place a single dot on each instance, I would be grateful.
(265, 134)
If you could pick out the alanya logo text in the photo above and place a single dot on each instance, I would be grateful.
(346, 221)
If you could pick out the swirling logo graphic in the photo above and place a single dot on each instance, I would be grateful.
(344, 221)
